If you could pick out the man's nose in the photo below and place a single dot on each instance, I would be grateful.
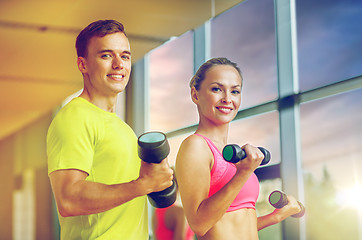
(117, 63)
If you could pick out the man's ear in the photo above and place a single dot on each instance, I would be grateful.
(194, 95)
(81, 65)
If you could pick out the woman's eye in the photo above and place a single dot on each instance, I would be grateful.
(236, 92)
(216, 89)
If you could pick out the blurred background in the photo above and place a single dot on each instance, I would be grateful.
(302, 92)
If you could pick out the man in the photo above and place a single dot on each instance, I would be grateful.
(99, 183)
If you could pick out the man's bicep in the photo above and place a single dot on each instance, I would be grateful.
(62, 179)
(65, 187)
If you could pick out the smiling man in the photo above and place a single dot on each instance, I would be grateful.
(99, 183)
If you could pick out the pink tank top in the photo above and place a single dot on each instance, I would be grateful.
(221, 173)
(162, 232)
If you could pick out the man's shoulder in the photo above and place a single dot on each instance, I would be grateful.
(75, 114)
(76, 105)
(77, 109)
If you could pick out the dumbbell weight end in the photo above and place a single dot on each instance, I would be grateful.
(279, 199)
(233, 153)
(164, 198)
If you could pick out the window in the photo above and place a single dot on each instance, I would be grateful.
(246, 35)
(175, 144)
(329, 46)
(171, 69)
(329, 41)
(332, 152)
(261, 130)
(263, 207)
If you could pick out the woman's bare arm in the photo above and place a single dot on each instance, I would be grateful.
(193, 166)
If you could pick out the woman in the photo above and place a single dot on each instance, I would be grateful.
(219, 197)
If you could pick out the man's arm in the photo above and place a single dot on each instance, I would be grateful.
(76, 196)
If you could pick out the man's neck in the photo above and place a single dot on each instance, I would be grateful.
(106, 103)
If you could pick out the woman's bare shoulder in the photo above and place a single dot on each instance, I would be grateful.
(193, 141)
(194, 147)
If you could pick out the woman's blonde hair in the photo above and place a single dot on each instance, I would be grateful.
(201, 72)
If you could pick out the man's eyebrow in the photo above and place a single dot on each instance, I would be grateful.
(105, 51)
(110, 51)
(127, 52)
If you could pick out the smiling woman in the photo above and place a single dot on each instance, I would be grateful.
(217, 194)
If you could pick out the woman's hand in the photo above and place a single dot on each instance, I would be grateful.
(253, 159)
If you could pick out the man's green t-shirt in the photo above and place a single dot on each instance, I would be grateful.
(85, 137)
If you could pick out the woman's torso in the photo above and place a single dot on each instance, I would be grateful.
(240, 221)
(237, 225)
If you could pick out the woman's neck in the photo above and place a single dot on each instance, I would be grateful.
(217, 133)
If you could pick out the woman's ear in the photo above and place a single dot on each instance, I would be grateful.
(81, 65)
(194, 95)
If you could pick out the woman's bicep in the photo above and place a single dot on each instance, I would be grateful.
(193, 176)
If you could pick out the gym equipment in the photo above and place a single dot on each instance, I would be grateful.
(279, 199)
(153, 147)
(233, 153)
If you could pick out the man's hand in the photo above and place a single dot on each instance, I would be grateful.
(155, 177)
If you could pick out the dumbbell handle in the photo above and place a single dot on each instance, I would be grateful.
(279, 199)
(233, 153)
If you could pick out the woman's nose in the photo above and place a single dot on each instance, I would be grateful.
(226, 99)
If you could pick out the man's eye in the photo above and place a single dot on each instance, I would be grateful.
(126, 57)
(236, 92)
(106, 56)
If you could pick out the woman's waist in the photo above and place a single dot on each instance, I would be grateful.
(239, 224)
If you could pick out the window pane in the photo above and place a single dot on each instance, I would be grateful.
(170, 71)
(329, 41)
(263, 207)
(246, 35)
(261, 130)
(332, 152)
(175, 144)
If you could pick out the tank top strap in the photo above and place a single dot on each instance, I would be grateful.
(212, 146)
(219, 162)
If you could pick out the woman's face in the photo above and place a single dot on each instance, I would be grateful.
(219, 97)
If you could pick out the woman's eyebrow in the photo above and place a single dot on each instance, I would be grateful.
(220, 84)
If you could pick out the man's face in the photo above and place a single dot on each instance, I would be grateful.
(107, 67)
